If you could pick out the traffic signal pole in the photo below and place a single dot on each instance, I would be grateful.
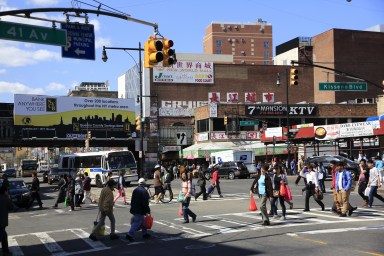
(142, 155)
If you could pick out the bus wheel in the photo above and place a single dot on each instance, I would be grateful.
(99, 183)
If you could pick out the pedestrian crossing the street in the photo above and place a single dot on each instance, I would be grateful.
(75, 241)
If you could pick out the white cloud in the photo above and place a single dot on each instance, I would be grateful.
(102, 41)
(44, 2)
(15, 57)
(3, 71)
(55, 87)
(14, 88)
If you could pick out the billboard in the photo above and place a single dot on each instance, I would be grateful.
(191, 72)
(43, 116)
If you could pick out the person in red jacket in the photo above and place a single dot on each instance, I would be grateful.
(216, 181)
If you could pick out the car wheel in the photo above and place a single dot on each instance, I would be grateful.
(207, 176)
(231, 175)
(99, 184)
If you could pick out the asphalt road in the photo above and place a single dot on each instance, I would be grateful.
(224, 227)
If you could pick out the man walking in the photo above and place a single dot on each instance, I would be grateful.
(157, 183)
(106, 209)
(343, 189)
(35, 188)
(87, 188)
(5, 206)
(139, 208)
(374, 183)
(336, 204)
(216, 181)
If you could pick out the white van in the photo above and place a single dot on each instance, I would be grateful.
(42, 166)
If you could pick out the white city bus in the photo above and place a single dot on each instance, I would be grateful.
(99, 164)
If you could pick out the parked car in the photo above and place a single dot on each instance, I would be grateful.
(19, 192)
(230, 170)
(54, 175)
(326, 160)
(10, 172)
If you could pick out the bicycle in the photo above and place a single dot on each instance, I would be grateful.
(167, 193)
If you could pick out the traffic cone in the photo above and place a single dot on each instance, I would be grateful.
(181, 210)
(252, 204)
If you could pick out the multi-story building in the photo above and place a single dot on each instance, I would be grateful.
(249, 43)
(93, 86)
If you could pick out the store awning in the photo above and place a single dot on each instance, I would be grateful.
(375, 118)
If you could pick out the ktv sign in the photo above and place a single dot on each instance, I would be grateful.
(280, 110)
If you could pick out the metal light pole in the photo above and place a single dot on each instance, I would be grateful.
(105, 58)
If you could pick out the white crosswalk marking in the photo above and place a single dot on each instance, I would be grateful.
(50, 244)
(84, 235)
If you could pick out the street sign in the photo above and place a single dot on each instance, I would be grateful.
(249, 123)
(181, 138)
(80, 41)
(32, 34)
(344, 86)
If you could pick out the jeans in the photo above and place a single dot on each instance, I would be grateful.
(321, 185)
(137, 223)
(101, 222)
(4, 240)
(373, 193)
(263, 208)
(274, 206)
(361, 190)
(186, 211)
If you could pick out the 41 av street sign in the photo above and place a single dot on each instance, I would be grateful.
(32, 34)
(344, 86)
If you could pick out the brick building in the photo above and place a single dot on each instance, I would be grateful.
(249, 43)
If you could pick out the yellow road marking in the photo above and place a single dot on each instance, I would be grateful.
(314, 241)
(371, 253)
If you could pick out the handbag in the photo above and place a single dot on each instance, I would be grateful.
(148, 221)
(288, 195)
(283, 189)
(318, 195)
(180, 198)
(276, 193)
(367, 191)
(102, 228)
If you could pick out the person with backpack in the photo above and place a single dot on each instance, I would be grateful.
(87, 188)
(201, 182)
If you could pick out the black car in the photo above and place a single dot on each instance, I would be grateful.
(229, 170)
(55, 173)
(10, 172)
(19, 192)
(326, 160)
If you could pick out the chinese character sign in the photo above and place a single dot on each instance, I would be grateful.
(268, 97)
(233, 97)
(213, 97)
(250, 97)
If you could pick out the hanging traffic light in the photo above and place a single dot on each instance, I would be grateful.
(169, 55)
(225, 120)
(89, 135)
(138, 123)
(294, 77)
(153, 52)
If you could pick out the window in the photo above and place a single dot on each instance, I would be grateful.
(202, 125)
(266, 54)
(218, 52)
(218, 43)
(266, 44)
(266, 62)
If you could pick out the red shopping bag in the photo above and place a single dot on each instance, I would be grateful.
(288, 195)
(252, 204)
(283, 189)
(181, 210)
(148, 221)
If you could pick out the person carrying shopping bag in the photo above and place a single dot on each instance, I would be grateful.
(186, 191)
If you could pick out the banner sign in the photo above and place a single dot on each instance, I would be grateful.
(43, 116)
(190, 72)
(280, 110)
(346, 130)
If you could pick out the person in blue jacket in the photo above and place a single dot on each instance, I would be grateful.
(343, 188)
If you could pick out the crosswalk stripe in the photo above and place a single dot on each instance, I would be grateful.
(85, 236)
(188, 230)
(14, 247)
(50, 244)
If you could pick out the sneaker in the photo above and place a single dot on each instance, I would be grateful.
(283, 218)
(194, 219)
(306, 210)
(93, 237)
(343, 215)
(266, 223)
(351, 210)
(113, 236)
(146, 236)
(129, 238)
(221, 196)
(275, 217)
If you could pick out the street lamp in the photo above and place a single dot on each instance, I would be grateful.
(105, 58)
(287, 107)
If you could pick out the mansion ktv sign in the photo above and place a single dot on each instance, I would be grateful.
(280, 110)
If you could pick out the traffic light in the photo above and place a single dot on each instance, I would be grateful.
(169, 55)
(89, 135)
(294, 77)
(138, 123)
(225, 120)
(153, 52)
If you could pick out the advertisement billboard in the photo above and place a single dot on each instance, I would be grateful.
(191, 72)
(43, 116)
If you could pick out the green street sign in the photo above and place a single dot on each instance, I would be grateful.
(249, 123)
(344, 86)
(32, 34)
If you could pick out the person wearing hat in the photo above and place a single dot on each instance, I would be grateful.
(139, 208)
(106, 209)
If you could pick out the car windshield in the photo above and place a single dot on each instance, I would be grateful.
(15, 184)
(348, 161)
(241, 164)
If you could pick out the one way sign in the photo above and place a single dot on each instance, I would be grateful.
(80, 41)
(181, 138)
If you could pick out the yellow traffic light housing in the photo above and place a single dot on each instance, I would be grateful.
(294, 77)
(225, 120)
(138, 123)
(169, 55)
(153, 52)
(89, 135)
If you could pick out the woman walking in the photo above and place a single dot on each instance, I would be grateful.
(363, 181)
(277, 180)
(62, 187)
(71, 193)
(121, 188)
(262, 186)
(201, 182)
(79, 192)
(311, 188)
(186, 191)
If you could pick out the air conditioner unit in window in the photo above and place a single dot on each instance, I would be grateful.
(236, 27)
(243, 52)
(229, 27)
(359, 100)
(370, 100)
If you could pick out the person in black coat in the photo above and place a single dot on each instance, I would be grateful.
(35, 188)
(201, 182)
(71, 193)
(62, 187)
(5, 206)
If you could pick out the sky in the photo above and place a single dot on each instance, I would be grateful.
(29, 68)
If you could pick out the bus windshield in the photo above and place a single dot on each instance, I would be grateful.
(118, 160)
(88, 161)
